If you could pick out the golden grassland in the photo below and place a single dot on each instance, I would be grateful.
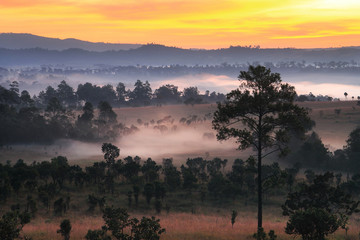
(183, 226)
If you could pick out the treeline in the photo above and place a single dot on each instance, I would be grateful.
(51, 187)
(49, 184)
(54, 113)
(171, 70)
(21, 121)
(312, 153)
(141, 95)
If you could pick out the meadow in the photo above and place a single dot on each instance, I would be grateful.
(185, 226)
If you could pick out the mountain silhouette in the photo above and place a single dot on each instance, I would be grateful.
(31, 50)
(25, 40)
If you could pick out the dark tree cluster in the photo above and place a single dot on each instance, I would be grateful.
(46, 184)
(51, 114)
(23, 120)
(312, 153)
(141, 95)
(318, 208)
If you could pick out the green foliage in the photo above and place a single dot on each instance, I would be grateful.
(46, 193)
(158, 206)
(261, 235)
(59, 170)
(136, 190)
(92, 202)
(147, 229)
(233, 217)
(312, 224)
(141, 95)
(110, 153)
(167, 93)
(117, 221)
(131, 168)
(313, 153)
(129, 195)
(149, 192)
(150, 170)
(172, 177)
(31, 206)
(11, 224)
(84, 123)
(352, 150)
(318, 209)
(97, 235)
(265, 108)
(60, 207)
(65, 229)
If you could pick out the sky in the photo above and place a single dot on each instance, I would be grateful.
(206, 24)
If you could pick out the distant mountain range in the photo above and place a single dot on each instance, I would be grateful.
(31, 50)
(25, 40)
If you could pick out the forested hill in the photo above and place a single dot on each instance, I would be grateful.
(153, 54)
(25, 41)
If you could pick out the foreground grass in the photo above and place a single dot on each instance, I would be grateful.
(181, 226)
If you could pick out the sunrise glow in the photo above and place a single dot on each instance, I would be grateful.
(189, 24)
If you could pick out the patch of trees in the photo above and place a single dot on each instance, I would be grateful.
(311, 97)
(46, 185)
(265, 107)
(318, 209)
(117, 223)
(23, 120)
(50, 185)
(312, 153)
(141, 95)
(51, 114)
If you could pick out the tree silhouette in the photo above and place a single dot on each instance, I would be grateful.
(265, 108)
(110, 153)
(318, 209)
(346, 94)
(11, 224)
(84, 121)
(233, 217)
(142, 93)
(65, 228)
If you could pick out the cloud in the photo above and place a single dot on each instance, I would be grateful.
(185, 23)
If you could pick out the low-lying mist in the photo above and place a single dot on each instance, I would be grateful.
(177, 141)
(178, 144)
(333, 85)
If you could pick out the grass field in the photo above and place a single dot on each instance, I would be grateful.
(184, 226)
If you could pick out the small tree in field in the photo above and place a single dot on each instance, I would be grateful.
(65, 229)
(233, 217)
(117, 222)
(11, 224)
(110, 153)
(318, 209)
(260, 114)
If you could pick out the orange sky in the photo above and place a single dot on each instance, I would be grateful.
(190, 23)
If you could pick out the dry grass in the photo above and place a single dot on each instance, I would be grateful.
(181, 226)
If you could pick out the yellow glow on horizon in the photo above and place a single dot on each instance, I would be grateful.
(185, 23)
(338, 4)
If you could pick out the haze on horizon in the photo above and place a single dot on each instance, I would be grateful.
(190, 24)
